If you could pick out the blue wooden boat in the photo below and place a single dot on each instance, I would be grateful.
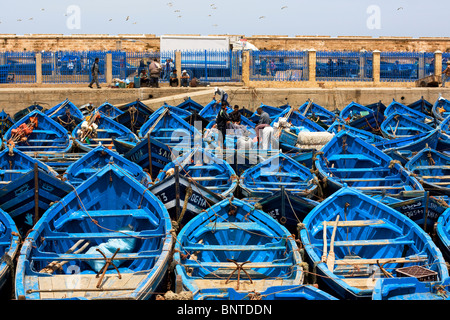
(273, 112)
(134, 115)
(109, 110)
(110, 216)
(316, 112)
(422, 105)
(9, 247)
(432, 169)
(96, 159)
(63, 108)
(150, 154)
(6, 122)
(268, 176)
(398, 125)
(353, 240)
(298, 121)
(37, 132)
(14, 164)
(170, 129)
(27, 198)
(442, 231)
(232, 236)
(106, 130)
(211, 110)
(301, 292)
(347, 159)
(183, 197)
(183, 114)
(287, 208)
(411, 288)
(367, 136)
(445, 127)
(372, 121)
(441, 109)
(66, 114)
(22, 113)
(190, 105)
(354, 111)
(245, 112)
(205, 169)
(399, 108)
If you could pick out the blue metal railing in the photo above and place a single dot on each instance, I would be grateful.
(278, 65)
(344, 66)
(212, 66)
(405, 66)
(18, 67)
(445, 58)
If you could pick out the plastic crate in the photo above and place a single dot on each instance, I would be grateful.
(419, 272)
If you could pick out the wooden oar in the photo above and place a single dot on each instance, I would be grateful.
(324, 254)
(331, 256)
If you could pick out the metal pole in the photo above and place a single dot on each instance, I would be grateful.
(206, 67)
(177, 192)
(36, 193)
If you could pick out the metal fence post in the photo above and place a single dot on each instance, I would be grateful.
(421, 71)
(39, 67)
(376, 60)
(206, 66)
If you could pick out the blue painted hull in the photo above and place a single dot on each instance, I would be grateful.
(410, 289)
(134, 115)
(235, 231)
(441, 109)
(369, 233)
(423, 106)
(278, 171)
(116, 213)
(9, 247)
(397, 107)
(315, 111)
(48, 137)
(22, 113)
(398, 125)
(63, 108)
(96, 159)
(109, 110)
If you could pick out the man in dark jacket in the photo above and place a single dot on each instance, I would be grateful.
(222, 120)
(94, 72)
(235, 115)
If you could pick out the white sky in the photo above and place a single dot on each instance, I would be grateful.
(243, 17)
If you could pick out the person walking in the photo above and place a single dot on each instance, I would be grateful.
(94, 72)
(155, 71)
(445, 74)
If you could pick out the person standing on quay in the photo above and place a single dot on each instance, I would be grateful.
(94, 72)
(445, 74)
(155, 70)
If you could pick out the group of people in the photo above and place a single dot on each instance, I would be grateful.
(150, 78)
(225, 120)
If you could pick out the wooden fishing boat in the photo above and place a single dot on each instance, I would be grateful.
(37, 132)
(100, 130)
(278, 171)
(66, 114)
(353, 240)
(316, 112)
(422, 105)
(27, 198)
(273, 112)
(441, 109)
(6, 122)
(301, 292)
(211, 110)
(190, 105)
(245, 112)
(205, 169)
(9, 247)
(232, 236)
(442, 231)
(170, 129)
(167, 108)
(108, 240)
(150, 154)
(347, 159)
(22, 113)
(398, 125)
(354, 111)
(96, 159)
(287, 208)
(372, 121)
(432, 169)
(14, 164)
(183, 197)
(411, 288)
(245, 130)
(399, 108)
(367, 136)
(134, 115)
(108, 110)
